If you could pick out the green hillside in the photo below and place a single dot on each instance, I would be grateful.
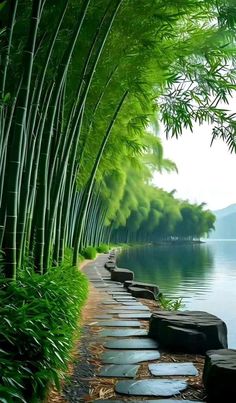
(225, 226)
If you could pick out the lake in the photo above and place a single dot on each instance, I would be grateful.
(204, 275)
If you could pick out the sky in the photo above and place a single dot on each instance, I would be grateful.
(206, 174)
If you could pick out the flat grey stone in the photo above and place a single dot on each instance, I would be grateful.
(180, 369)
(135, 315)
(120, 293)
(127, 308)
(128, 311)
(131, 357)
(100, 286)
(133, 344)
(125, 298)
(120, 371)
(120, 323)
(103, 317)
(123, 332)
(151, 387)
(132, 303)
(149, 401)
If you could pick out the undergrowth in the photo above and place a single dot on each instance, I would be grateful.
(39, 318)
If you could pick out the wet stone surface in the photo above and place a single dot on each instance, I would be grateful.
(128, 311)
(131, 357)
(166, 369)
(119, 323)
(123, 332)
(136, 344)
(127, 308)
(120, 371)
(151, 387)
(135, 315)
(148, 401)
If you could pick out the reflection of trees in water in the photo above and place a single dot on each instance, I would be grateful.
(174, 263)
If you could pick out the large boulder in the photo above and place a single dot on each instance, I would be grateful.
(219, 375)
(141, 293)
(110, 265)
(137, 284)
(121, 275)
(188, 331)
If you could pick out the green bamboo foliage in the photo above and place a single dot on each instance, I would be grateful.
(65, 111)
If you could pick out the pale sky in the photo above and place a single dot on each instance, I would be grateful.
(206, 174)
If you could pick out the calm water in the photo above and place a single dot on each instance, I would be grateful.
(203, 275)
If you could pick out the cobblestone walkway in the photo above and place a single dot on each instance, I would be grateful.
(120, 330)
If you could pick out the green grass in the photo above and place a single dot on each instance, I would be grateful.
(168, 304)
(103, 248)
(89, 253)
(39, 318)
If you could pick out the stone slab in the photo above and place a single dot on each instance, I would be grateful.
(219, 375)
(124, 333)
(132, 344)
(126, 311)
(143, 316)
(127, 308)
(188, 331)
(119, 323)
(103, 317)
(151, 387)
(141, 293)
(132, 303)
(119, 371)
(122, 275)
(169, 369)
(125, 298)
(149, 401)
(131, 357)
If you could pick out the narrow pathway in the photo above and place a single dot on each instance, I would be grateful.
(119, 346)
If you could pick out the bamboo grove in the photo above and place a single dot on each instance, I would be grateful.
(82, 84)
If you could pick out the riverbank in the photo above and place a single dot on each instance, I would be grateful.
(83, 384)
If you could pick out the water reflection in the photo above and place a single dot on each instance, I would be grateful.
(204, 275)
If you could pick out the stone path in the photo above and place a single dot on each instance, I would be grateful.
(125, 345)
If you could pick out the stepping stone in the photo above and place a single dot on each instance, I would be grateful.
(122, 275)
(120, 371)
(132, 308)
(123, 332)
(135, 344)
(135, 315)
(167, 369)
(127, 311)
(137, 284)
(125, 298)
(129, 357)
(149, 401)
(110, 265)
(141, 293)
(112, 302)
(188, 331)
(103, 317)
(120, 323)
(219, 375)
(151, 387)
(133, 303)
(122, 293)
